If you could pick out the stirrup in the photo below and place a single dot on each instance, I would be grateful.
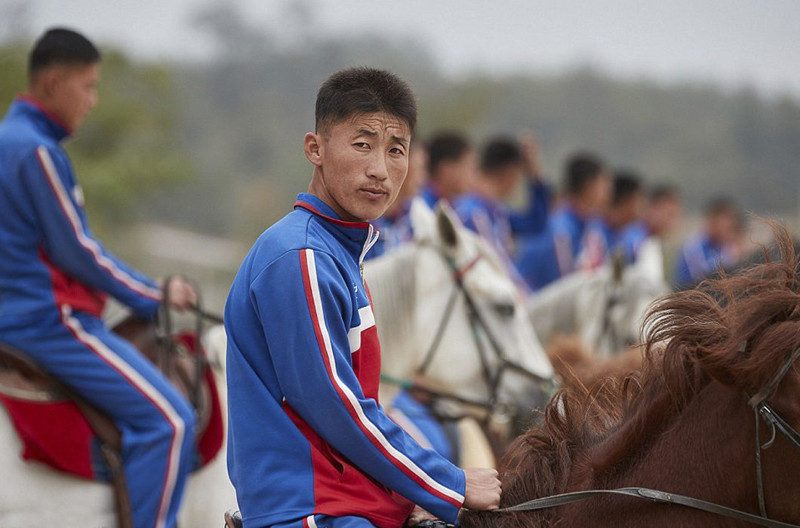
(233, 519)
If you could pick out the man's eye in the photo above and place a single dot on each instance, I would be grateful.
(398, 151)
(361, 144)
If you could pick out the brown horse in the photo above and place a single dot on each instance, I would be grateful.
(683, 424)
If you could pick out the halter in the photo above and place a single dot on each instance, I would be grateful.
(493, 405)
(761, 409)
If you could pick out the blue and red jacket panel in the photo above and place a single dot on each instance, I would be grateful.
(306, 432)
(48, 256)
(699, 258)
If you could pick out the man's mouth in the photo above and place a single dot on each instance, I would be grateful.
(377, 191)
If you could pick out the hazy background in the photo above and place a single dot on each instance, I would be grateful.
(196, 145)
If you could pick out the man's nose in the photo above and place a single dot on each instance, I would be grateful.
(378, 168)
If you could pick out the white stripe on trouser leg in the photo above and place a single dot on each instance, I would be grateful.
(144, 386)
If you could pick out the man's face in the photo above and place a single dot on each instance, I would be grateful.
(73, 93)
(723, 227)
(664, 215)
(508, 178)
(632, 209)
(360, 164)
(464, 173)
(597, 194)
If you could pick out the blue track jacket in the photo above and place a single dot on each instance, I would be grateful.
(307, 435)
(48, 256)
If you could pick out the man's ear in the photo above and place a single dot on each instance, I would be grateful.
(312, 145)
(46, 82)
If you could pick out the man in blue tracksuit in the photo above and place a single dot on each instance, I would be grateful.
(504, 163)
(55, 277)
(309, 444)
(559, 250)
(452, 168)
(718, 245)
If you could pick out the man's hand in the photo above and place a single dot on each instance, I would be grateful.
(530, 156)
(483, 489)
(181, 294)
(419, 515)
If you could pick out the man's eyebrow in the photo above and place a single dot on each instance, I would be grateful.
(366, 132)
(402, 140)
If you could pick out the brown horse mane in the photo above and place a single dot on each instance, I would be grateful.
(736, 330)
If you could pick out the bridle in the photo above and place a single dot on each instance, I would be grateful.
(493, 405)
(168, 348)
(762, 410)
(773, 420)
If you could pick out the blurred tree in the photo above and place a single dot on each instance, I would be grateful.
(127, 149)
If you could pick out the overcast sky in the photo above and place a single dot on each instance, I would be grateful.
(732, 43)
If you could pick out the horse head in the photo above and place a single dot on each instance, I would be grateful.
(451, 320)
(604, 307)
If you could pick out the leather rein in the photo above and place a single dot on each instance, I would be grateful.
(762, 410)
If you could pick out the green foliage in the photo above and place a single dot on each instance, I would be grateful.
(14, 78)
(128, 149)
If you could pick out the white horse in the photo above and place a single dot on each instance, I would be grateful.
(451, 320)
(32, 494)
(604, 307)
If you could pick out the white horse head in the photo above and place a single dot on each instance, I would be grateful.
(604, 307)
(449, 317)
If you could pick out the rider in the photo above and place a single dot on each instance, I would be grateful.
(557, 252)
(605, 235)
(718, 244)
(452, 168)
(55, 277)
(504, 163)
(309, 444)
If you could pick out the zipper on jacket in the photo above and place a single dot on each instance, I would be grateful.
(372, 238)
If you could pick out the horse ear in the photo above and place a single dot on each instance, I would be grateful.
(423, 221)
(448, 225)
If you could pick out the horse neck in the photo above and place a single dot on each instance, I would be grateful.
(707, 451)
(410, 290)
(392, 284)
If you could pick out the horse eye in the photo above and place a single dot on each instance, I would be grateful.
(505, 309)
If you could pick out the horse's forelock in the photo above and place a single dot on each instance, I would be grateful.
(738, 329)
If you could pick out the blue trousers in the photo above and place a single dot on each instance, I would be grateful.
(157, 423)
(326, 521)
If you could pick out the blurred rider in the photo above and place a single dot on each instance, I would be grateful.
(55, 278)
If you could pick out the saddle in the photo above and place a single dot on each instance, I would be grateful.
(38, 404)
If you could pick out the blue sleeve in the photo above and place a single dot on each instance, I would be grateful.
(307, 334)
(537, 262)
(533, 219)
(683, 276)
(476, 218)
(65, 236)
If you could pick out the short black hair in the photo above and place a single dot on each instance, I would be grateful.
(356, 91)
(500, 152)
(446, 146)
(724, 205)
(582, 168)
(664, 191)
(61, 46)
(627, 183)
